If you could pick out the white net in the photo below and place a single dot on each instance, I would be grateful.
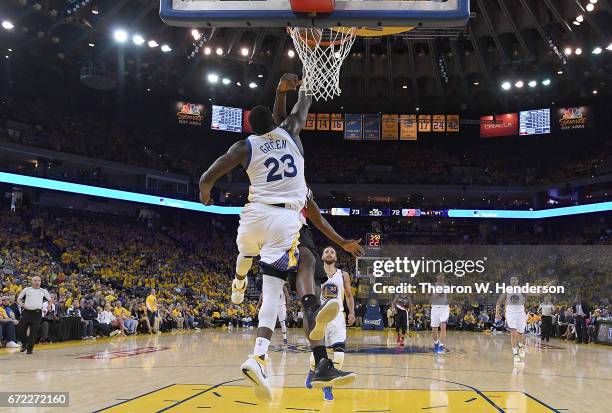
(322, 52)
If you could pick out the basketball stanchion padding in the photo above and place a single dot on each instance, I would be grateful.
(312, 6)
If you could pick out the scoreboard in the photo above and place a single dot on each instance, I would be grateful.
(534, 122)
(374, 240)
(226, 118)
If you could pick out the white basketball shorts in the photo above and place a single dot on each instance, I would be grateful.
(336, 330)
(439, 314)
(270, 232)
(517, 321)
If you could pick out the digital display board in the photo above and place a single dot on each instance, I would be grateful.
(494, 126)
(576, 118)
(343, 212)
(534, 122)
(226, 119)
(376, 212)
(373, 240)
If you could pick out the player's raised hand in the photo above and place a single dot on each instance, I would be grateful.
(205, 198)
(353, 247)
(288, 82)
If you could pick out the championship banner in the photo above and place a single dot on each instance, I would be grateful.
(371, 127)
(353, 128)
(336, 122)
(390, 127)
(311, 122)
(424, 123)
(452, 123)
(576, 118)
(189, 113)
(499, 125)
(439, 123)
(408, 127)
(323, 121)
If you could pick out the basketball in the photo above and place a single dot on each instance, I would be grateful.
(331, 206)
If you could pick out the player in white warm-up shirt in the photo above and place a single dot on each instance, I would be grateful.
(273, 158)
(440, 311)
(337, 287)
(516, 318)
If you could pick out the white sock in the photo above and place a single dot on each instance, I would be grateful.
(261, 346)
(312, 362)
(338, 359)
(436, 342)
(440, 343)
(283, 328)
(514, 350)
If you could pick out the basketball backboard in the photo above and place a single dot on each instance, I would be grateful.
(349, 13)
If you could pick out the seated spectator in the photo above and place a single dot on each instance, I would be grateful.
(140, 312)
(469, 321)
(49, 328)
(108, 321)
(75, 311)
(90, 315)
(7, 329)
(121, 312)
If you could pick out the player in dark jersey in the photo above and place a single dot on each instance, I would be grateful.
(304, 278)
(401, 306)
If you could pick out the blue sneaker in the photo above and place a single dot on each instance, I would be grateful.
(440, 349)
(308, 378)
(436, 345)
(328, 396)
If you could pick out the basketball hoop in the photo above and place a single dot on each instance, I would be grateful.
(322, 52)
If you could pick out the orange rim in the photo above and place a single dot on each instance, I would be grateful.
(323, 43)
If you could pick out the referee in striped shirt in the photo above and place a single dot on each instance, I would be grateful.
(31, 301)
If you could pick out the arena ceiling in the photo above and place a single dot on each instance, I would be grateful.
(505, 41)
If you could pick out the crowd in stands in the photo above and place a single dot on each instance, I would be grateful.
(103, 268)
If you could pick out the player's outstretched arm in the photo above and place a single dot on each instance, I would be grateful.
(351, 246)
(236, 155)
(287, 83)
(350, 300)
(294, 123)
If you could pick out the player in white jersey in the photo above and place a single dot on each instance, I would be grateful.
(516, 318)
(337, 287)
(283, 302)
(270, 224)
(440, 310)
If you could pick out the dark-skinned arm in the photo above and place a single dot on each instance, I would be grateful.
(349, 245)
(294, 123)
(236, 155)
(287, 83)
(279, 113)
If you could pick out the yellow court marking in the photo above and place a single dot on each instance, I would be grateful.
(229, 399)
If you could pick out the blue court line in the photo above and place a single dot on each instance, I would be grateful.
(55, 185)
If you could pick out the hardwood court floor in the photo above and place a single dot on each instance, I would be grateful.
(199, 372)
